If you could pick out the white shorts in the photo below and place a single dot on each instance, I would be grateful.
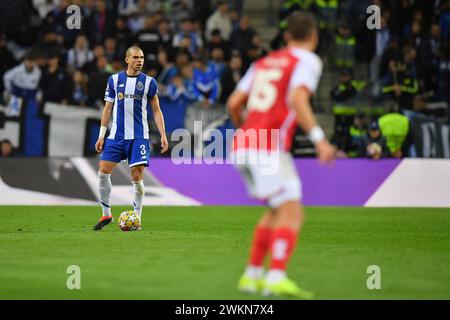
(270, 177)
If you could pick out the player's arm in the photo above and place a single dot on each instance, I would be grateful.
(305, 117)
(159, 120)
(235, 104)
(239, 97)
(106, 116)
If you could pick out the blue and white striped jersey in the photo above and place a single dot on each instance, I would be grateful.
(131, 96)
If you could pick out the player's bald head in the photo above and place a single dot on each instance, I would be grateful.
(133, 50)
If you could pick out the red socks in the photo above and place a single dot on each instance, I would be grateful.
(282, 244)
(260, 246)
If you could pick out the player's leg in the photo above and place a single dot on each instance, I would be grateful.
(260, 244)
(104, 189)
(288, 220)
(104, 186)
(138, 159)
(250, 280)
(111, 155)
(137, 178)
(287, 223)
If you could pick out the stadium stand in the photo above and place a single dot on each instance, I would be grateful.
(198, 50)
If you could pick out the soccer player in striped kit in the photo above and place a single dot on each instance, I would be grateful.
(127, 96)
(277, 91)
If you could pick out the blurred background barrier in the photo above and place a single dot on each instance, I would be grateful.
(57, 130)
(348, 182)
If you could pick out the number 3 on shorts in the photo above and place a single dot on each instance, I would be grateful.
(143, 151)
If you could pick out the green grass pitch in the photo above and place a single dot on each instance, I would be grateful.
(200, 252)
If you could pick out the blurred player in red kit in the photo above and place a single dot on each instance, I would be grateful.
(277, 90)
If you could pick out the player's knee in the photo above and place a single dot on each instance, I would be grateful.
(137, 176)
(104, 170)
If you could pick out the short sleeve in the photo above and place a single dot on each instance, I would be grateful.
(245, 83)
(307, 73)
(152, 88)
(110, 93)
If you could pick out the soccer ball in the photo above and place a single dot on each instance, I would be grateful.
(129, 221)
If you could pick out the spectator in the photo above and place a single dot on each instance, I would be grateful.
(345, 44)
(428, 61)
(111, 53)
(444, 75)
(216, 41)
(392, 52)
(179, 10)
(234, 16)
(99, 23)
(7, 59)
(327, 15)
(149, 7)
(373, 144)
(127, 7)
(52, 44)
(219, 20)
(79, 96)
(55, 82)
(187, 71)
(186, 44)
(395, 127)
(98, 51)
(165, 35)
(238, 5)
(382, 38)
(187, 30)
(444, 20)
(7, 149)
(217, 61)
(254, 51)
(416, 38)
(241, 38)
(181, 59)
(80, 54)
(163, 67)
(122, 34)
(357, 131)
(44, 6)
(202, 10)
(148, 39)
(55, 21)
(401, 83)
(206, 83)
(290, 6)
(342, 140)
(232, 73)
(21, 82)
(97, 81)
(344, 92)
(178, 90)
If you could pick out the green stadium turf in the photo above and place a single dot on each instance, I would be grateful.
(200, 252)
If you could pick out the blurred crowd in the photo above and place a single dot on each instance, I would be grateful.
(402, 65)
(199, 49)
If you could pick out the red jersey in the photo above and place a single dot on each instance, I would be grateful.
(271, 122)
